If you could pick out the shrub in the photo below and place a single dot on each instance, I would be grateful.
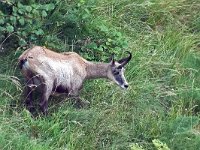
(62, 25)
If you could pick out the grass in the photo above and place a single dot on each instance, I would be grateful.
(163, 101)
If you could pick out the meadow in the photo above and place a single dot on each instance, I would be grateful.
(159, 110)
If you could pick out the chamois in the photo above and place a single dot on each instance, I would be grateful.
(54, 72)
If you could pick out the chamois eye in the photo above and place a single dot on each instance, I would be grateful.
(120, 67)
(115, 72)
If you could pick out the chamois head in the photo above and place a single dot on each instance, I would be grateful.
(116, 72)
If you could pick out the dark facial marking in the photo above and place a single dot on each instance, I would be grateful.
(119, 79)
(117, 74)
(116, 70)
(119, 67)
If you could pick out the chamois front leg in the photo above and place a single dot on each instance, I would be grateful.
(79, 103)
(47, 89)
(28, 94)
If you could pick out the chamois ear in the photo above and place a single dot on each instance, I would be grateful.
(112, 60)
(125, 60)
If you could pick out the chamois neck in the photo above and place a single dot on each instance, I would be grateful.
(97, 70)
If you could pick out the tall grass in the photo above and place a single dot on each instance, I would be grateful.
(162, 101)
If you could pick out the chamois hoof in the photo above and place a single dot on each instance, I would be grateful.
(44, 112)
(82, 104)
(31, 109)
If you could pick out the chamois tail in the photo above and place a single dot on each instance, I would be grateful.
(22, 62)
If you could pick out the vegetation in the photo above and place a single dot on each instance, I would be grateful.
(160, 110)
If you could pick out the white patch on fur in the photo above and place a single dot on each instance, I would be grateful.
(62, 71)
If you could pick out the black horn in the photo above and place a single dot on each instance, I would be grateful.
(125, 60)
(112, 59)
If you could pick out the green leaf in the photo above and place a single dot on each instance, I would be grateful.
(44, 14)
(1, 21)
(48, 7)
(100, 48)
(10, 28)
(28, 8)
(21, 21)
(160, 145)
(35, 12)
(36, 6)
(103, 28)
(20, 11)
(30, 21)
(87, 11)
(22, 42)
(23, 33)
(92, 45)
(117, 48)
(2, 28)
(30, 15)
(13, 19)
(108, 43)
(15, 9)
(79, 4)
(19, 5)
(119, 34)
(109, 40)
(32, 37)
(82, 1)
(85, 16)
(39, 32)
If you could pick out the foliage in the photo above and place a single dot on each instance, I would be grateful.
(135, 146)
(25, 21)
(159, 145)
(48, 23)
(160, 110)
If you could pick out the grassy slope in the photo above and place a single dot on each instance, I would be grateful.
(162, 101)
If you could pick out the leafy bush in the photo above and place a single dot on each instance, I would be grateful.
(62, 25)
(25, 21)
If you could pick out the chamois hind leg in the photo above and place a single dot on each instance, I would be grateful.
(46, 92)
(28, 94)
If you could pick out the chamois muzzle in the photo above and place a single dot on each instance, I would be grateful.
(125, 60)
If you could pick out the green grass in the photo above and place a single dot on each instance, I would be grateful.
(163, 101)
